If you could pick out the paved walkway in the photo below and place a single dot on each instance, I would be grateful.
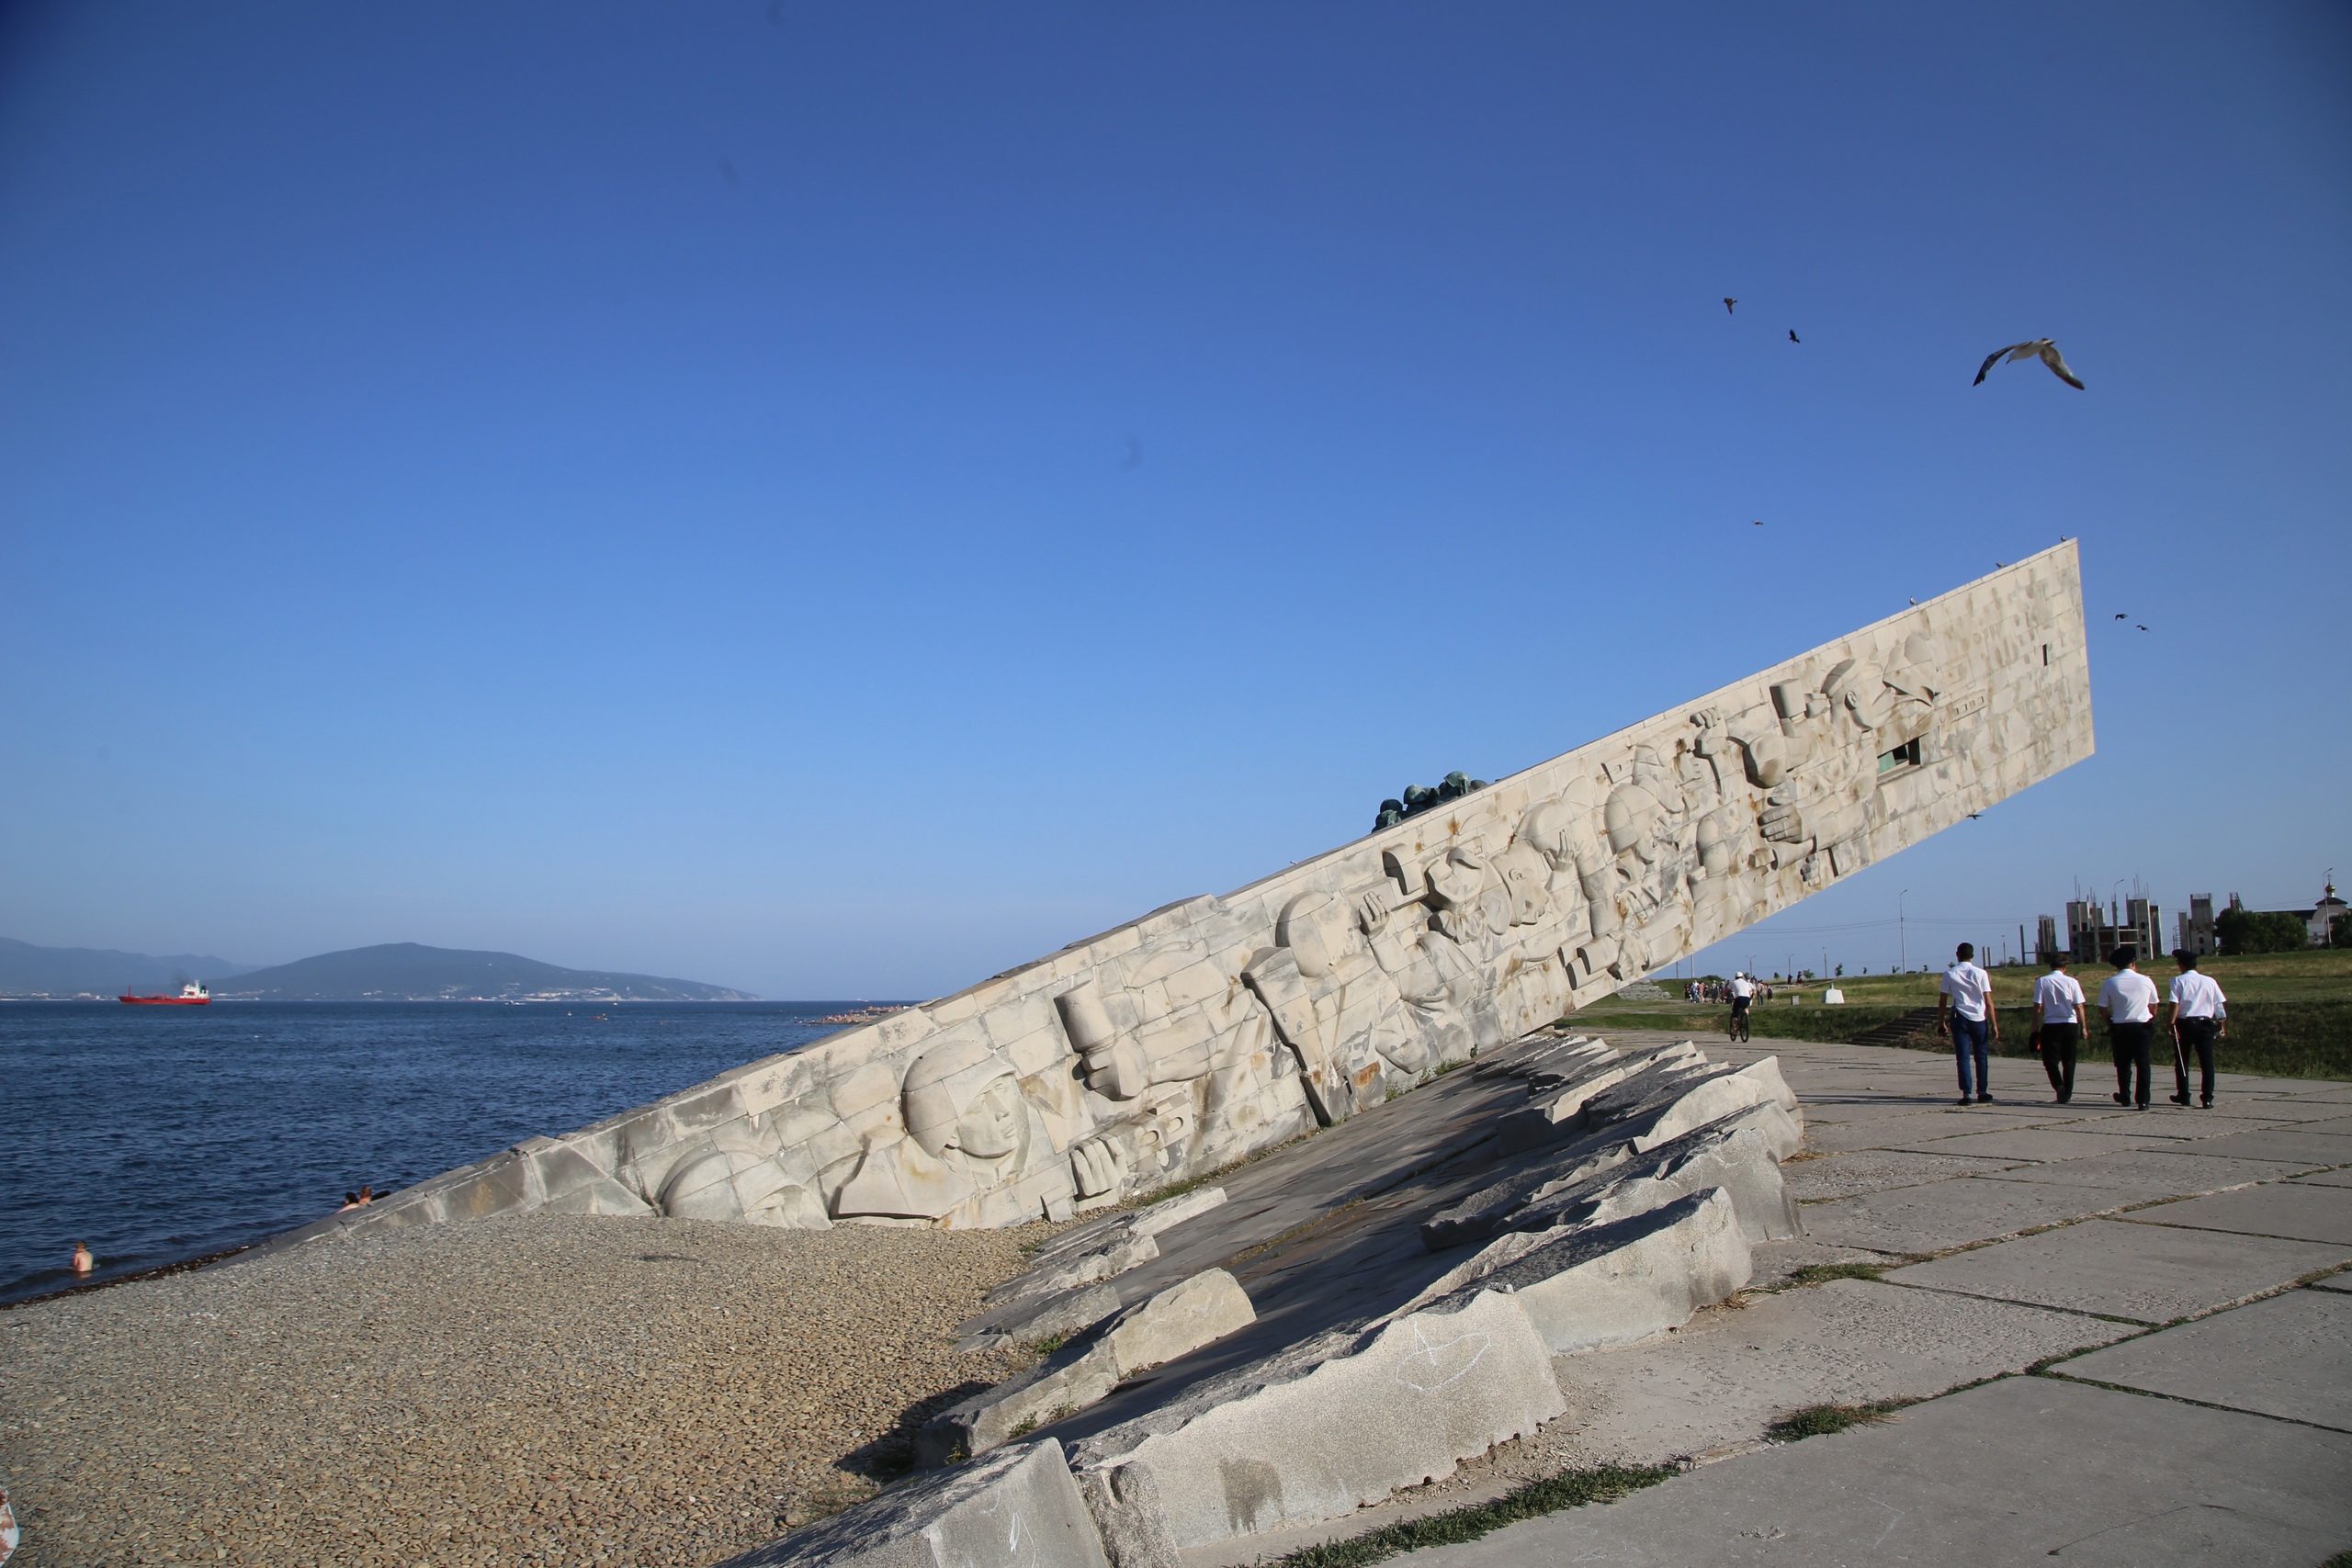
(2155, 1273)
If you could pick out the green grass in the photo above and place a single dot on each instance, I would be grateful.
(1822, 1273)
(1821, 1420)
(2289, 1038)
(1569, 1489)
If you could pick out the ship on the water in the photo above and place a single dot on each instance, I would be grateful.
(192, 995)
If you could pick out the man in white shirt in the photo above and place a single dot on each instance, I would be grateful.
(2200, 1015)
(2130, 998)
(1964, 1010)
(2058, 1002)
(1743, 995)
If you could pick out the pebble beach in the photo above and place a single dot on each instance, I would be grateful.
(528, 1391)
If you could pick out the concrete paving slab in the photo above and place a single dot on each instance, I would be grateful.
(2312, 1149)
(1729, 1374)
(1953, 1214)
(2340, 1127)
(1910, 1132)
(2302, 1113)
(2024, 1470)
(2159, 1172)
(2024, 1144)
(2333, 1283)
(2278, 1208)
(1830, 1177)
(2147, 1273)
(2327, 1178)
(2290, 1355)
(1776, 1262)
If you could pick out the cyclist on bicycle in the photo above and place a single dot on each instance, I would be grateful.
(1743, 991)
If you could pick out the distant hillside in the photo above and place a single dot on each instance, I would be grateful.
(30, 971)
(407, 972)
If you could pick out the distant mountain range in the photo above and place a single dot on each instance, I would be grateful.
(30, 971)
(393, 972)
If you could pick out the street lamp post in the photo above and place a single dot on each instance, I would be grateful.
(1902, 945)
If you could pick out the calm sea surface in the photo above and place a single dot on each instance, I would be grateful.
(158, 1134)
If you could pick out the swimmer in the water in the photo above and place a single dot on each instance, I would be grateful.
(83, 1261)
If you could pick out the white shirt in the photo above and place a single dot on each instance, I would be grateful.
(1968, 986)
(2057, 994)
(2129, 997)
(2194, 995)
(1742, 988)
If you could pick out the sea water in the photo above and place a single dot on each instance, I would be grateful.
(161, 1133)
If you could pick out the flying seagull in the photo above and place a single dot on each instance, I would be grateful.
(1760, 522)
(2043, 347)
(2120, 616)
(2143, 628)
(1728, 303)
(1793, 335)
(1915, 601)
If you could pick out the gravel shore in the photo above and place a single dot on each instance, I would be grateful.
(535, 1391)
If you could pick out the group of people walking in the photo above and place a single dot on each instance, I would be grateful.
(2198, 1017)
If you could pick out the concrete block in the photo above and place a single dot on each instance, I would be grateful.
(2145, 1273)
(1324, 1426)
(1114, 1257)
(1953, 1214)
(2290, 1355)
(1017, 1505)
(1176, 1321)
(1589, 1286)
(2297, 1213)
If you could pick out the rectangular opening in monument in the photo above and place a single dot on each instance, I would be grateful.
(1903, 756)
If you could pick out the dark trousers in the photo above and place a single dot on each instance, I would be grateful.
(2129, 1043)
(2059, 1042)
(2196, 1034)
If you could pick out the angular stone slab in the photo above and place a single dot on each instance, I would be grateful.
(1018, 1505)
(1179, 1320)
(2146, 1273)
(2280, 1209)
(2328, 1178)
(2290, 1355)
(1735, 1159)
(2019, 1471)
(1028, 1319)
(1579, 1163)
(1323, 1428)
(1953, 1214)
(1589, 1286)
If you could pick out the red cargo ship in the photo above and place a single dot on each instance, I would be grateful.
(192, 995)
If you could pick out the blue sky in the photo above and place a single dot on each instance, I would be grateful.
(838, 500)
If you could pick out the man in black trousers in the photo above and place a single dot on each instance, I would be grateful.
(2058, 1004)
(2130, 998)
(2200, 1015)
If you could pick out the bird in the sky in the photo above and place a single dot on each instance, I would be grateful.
(1760, 522)
(2143, 628)
(2042, 347)
(1793, 335)
(1915, 601)
(1728, 303)
(2120, 616)
(1975, 815)
(1134, 459)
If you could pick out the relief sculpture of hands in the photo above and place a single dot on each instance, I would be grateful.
(1782, 822)
(1098, 1166)
(1117, 1071)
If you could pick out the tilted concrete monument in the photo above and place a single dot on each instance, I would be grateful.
(1216, 1026)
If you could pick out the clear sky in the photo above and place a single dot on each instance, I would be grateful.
(838, 500)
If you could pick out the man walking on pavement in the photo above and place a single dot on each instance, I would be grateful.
(2130, 998)
(1967, 996)
(2058, 1002)
(2201, 1016)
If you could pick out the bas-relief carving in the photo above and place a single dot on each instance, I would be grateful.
(1217, 1026)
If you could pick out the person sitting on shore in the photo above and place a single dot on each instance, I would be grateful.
(358, 1199)
(83, 1261)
